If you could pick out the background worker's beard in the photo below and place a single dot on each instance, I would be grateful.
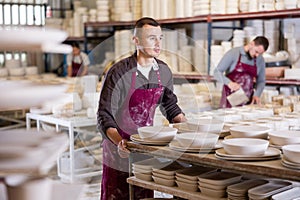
(248, 55)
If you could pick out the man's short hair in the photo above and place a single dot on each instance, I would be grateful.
(261, 40)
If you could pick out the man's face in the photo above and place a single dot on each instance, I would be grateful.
(255, 50)
(150, 40)
(76, 51)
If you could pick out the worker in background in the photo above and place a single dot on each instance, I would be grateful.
(240, 67)
(132, 89)
(77, 61)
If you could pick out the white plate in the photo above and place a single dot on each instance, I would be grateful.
(174, 145)
(136, 138)
(270, 154)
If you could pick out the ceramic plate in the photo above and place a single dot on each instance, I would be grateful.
(136, 138)
(270, 154)
(174, 145)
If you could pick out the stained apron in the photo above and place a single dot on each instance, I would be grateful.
(244, 75)
(138, 110)
(76, 67)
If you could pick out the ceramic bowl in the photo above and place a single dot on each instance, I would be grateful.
(292, 152)
(284, 137)
(252, 131)
(206, 125)
(245, 146)
(197, 139)
(157, 132)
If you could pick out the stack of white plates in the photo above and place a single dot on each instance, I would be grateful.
(102, 14)
(258, 24)
(121, 10)
(187, 179)
(232, 6)
(291, 156)
(166, 175)
(143, 169)
(238, 38)
(201, 7)
(239, 191)
(290, 4)
(291, 194)
(279, 5)
(244, 6)
(253, 6)
(217, 53)
(266, 5)
(218, 7)
(265, 191)
(271, 28)
(214, 184)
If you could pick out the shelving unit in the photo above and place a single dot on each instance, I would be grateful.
(73, 124)
(271, 168)
(209, 19)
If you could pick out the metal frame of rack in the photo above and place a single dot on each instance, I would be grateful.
(209, 19)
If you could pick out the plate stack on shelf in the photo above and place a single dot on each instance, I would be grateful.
(103, 14)
(187, 179)
(279, 138)
(291, 194)
(166, 175)
(217, 53)
(120, 10)
(143, 169)
(217, 7)
(265, 191)
(214, 184)
(232, 6)
(291, 156)
(238, 38)
(244, 6)
(201, 7)
(239, 191)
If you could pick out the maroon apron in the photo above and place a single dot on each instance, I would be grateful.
(138, 110)
(244, 75)
(76, 67)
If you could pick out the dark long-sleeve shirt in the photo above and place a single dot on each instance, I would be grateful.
(117, 84)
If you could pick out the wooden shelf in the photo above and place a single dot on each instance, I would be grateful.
(176, 191)
(271, 168)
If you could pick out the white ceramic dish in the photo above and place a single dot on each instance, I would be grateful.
(284, 137)
(206, 125)
(268, 189)
(220, 178)
(270, 152)
(192, 173)
(165, 133)
(187, 186)
(174, 145)
(166, 182)
(145, 177)
(252, 131)
(288, 194)
(292, 152)
(164, 176)
(148, 164)
(136, 138)
(197, 139)
(245, 146)
(212, 192)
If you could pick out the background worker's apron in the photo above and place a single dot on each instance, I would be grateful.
(244, 75)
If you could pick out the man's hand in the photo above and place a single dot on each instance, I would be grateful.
(122, 149)
(233, 86)
(255, 100)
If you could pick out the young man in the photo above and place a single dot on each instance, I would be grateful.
(238, 69)
(132, 90)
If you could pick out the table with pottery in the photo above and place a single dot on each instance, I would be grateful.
(268, 158)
